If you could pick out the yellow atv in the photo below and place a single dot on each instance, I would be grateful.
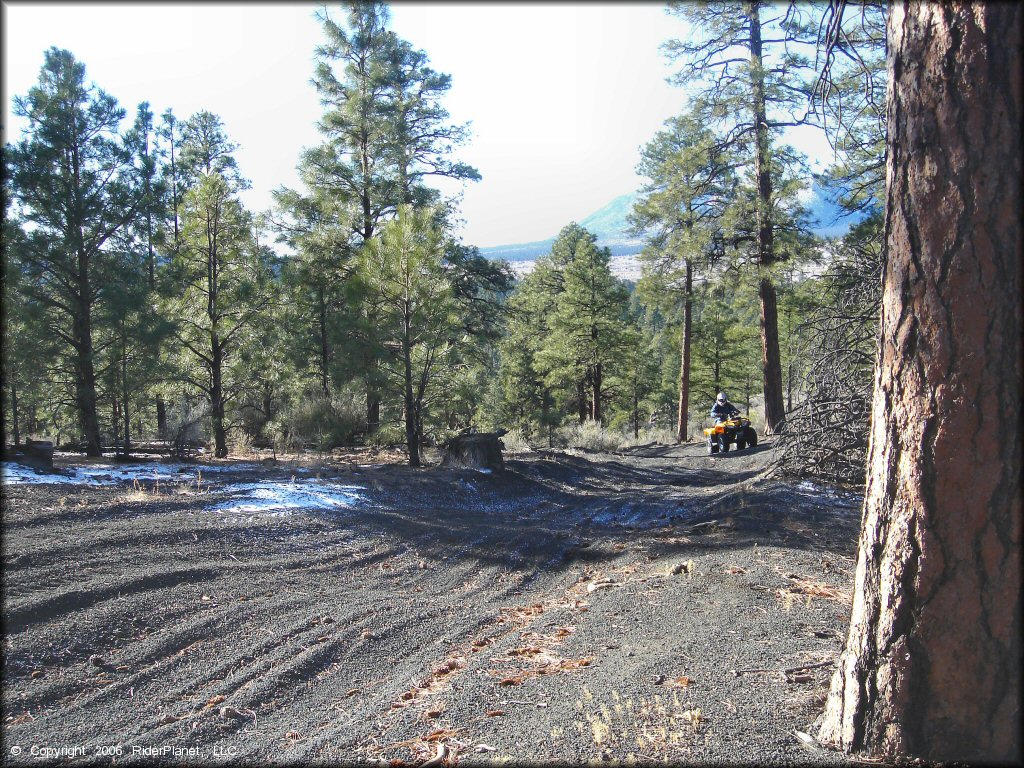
(735, 430)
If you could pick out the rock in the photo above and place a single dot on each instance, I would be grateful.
(479, 450)
(679, 568)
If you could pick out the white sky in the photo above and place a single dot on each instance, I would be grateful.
(561, 97)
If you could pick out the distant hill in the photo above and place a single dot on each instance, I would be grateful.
(609, 224)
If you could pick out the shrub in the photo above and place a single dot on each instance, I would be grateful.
(388, 436)
(318, 422)
(589, 436)
(515, 441)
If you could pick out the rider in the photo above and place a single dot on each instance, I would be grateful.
(723, 409)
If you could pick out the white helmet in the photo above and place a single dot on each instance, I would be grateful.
(722, 397)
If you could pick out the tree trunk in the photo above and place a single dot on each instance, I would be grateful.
(115, 414)
(14, 413)
(598, 383)
(85, 386)
(372, 409)
(581, 399)
(636, 414)
(220, 437)
(124, 402)
(161, 418)
(932, 664)
(774, 413)
(411, 438)
(325, 352)
(682, 424)
(771, 360)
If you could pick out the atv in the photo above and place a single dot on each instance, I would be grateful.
(735, 430)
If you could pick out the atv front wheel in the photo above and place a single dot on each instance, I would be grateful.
(712, 447)
(723, 444)
(740, 443)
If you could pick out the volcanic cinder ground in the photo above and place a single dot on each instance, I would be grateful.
(658, 603)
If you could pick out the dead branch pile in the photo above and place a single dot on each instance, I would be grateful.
(826, 434)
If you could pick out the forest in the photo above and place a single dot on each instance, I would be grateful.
(846, 590)
(145, 305)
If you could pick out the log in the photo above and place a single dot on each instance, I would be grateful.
(475, 450)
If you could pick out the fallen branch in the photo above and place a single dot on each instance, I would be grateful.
(442, 752)
(784, 672)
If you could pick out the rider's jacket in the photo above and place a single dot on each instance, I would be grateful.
(721, 411)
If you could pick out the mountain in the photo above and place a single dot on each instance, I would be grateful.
(610, 226)
(607, 223)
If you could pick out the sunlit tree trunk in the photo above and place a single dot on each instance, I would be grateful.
(932, 663)
(771, 357)
(682, 425)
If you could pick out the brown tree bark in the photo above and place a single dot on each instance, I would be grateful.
(161, 418)
(932, 663)
(682, 423)
(771, 357)
(220, 435)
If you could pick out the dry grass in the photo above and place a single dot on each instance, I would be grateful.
(655, 729)
(805, 588)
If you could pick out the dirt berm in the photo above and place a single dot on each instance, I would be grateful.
(659, 604)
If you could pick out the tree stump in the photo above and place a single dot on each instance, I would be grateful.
(35, 453)
(476, 450)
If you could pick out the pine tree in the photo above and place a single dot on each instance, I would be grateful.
(587, 320)
(74, 178)
(384, 131)
(680, 211)
(223, 284)
(750, 72)
(404, 268)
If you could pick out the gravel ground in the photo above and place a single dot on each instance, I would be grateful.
(576, 607)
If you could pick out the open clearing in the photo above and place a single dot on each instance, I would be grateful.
(575, 607)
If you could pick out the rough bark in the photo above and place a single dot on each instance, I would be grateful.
(931, 666)
(14, 413)
(220, 437)
(771, 359)
(325, 352)
(125, 402)
(411, 436)
(682, 425)
(481, 450)
(161, 418)
(85, 382)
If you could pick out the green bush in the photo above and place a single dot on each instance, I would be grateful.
(590, 436)
(515, 441)
(318, 422)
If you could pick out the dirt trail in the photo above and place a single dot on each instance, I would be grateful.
(574, 607)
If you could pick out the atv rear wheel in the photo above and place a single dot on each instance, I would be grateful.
(740, 443)
(751, 436)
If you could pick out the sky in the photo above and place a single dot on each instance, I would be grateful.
(560, 97)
